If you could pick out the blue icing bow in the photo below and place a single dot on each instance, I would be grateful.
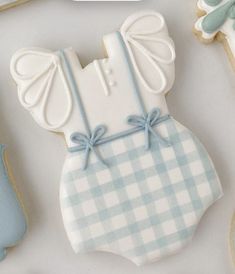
(146, 123)
(88, 143)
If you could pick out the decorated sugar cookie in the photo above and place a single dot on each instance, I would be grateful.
(5, 4)
(217, 21)
(12, 219)
(135, 181)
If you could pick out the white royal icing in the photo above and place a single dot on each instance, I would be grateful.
(130, 185)
(155, 35)
(227, 28)
(36, 87)
(104, 85)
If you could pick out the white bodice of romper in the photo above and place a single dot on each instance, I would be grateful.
(48, 84)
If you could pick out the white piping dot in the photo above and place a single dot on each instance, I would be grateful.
(105, 61)
(108, 71)
(112, 83)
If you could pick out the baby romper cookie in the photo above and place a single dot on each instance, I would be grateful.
(217, 21)
(135, 182)
(12, 219)
(5, 4)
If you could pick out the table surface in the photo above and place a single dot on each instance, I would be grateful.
(203, 99)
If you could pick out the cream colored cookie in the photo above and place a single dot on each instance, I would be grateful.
(5, 4)
(216, 22)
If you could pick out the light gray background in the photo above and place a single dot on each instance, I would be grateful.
(203, 99)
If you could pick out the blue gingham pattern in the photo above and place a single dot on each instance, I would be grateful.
(147, 204)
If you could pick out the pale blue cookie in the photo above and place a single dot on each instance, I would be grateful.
(12, 219)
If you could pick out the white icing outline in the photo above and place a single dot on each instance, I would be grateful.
(49, 72)
(35, 97)
(132, 38)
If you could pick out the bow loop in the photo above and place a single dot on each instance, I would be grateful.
(98, 133)
(88, 143)
(153, 116)
(136, 120)
(80, 139)
(147, 123)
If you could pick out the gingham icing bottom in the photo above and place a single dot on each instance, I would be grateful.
(147, 204)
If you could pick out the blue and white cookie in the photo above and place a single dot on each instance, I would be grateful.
(135, 181)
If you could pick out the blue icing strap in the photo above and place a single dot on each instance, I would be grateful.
(214, 20)
(12, 219)
(87, 142)
(146, 123)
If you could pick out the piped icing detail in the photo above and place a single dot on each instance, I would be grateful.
(113, 204)
(216, 19)
(112, 83)
(136, 41)
(93, 138)
(147, 123)
(45, 79)
(46, 93)
(87, 143)
(102, 77)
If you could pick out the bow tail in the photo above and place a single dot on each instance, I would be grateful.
(162, 141)
(147, 138)
(99, 157)
(86, 157)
